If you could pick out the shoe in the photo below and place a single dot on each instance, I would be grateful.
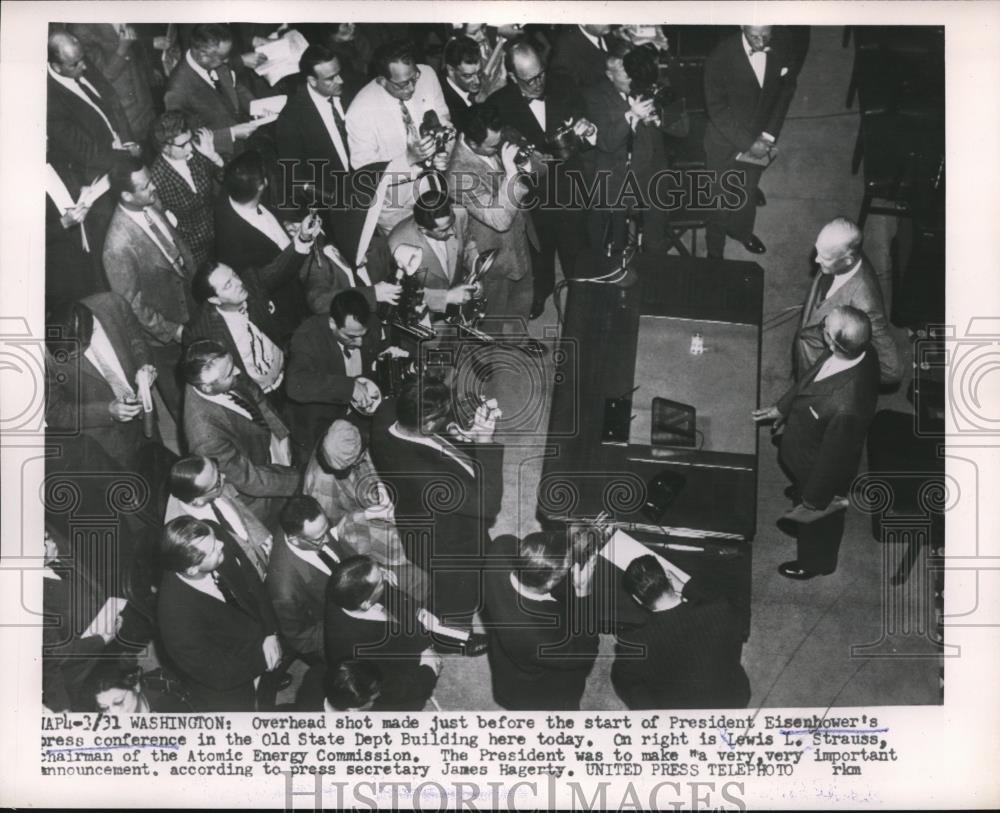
(754, 245)
(537, 309)
(533, 347)
(759, 198)
(793, 570)
(475, 645)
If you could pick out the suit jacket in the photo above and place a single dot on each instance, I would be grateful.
(562, 102)
(462, 253)
(207, 107)
(536, 661)
(863, 292)
(495, 217)
(315, 377)
(76, 134)
(322, 278)
(575, 59)
(129, 75)
(193, 209)
(241, 447)
(691, 659)
(298, 595)
(458, 109)
(825, 427)
(738, 108)
(217, 647)
(78, 395)
(209, 324)
(136, 268)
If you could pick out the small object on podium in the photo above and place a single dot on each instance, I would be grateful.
(697, 344)
(758, 161)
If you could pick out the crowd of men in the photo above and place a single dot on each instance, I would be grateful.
(249, 268)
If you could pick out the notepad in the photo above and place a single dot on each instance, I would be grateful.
(622, 550)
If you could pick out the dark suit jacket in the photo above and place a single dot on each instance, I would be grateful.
(825, 427)
(195, 220)
(738, 108)
(691, 660)
(136, 268)
(76, 134)
(315, 380)
(298, 595)
(562, 102)
(537, 662)
(78, 395)
(205, 106)
(457, 107)
(863, 292)
(217, 647)
(576, 60)
(241, 447)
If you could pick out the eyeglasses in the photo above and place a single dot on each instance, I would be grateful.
(534, 81)
(406, 83)
(183, 144)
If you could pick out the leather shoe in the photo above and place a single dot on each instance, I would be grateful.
(537, 309)
(759, 198)
(754, 245)
(475, 645)
(793, 570)
(533, 347)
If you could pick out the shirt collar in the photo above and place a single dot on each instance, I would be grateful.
(309, 557)
(65, 81)
(519, 589)
(435, 443)
(748, 50)
(834, 365)
(198, 69)
(463, 94)
(596, 41)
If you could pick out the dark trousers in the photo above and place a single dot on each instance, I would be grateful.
(818, 543)
(560, 233)
(166, 359)
(738, 222)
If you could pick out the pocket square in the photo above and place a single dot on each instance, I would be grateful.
(784, 71)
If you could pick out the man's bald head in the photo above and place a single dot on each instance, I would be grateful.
(838, 246)
(66, 54)
(849, 331)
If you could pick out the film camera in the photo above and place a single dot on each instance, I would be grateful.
(442, 134)
(642, 64)
(566, 143)
(509, 135)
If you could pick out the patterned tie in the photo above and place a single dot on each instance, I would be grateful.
(255, 414)
(166, 242)
(258, 353)
(412, 133)
(341, 126)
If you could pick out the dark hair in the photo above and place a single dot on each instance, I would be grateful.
(421, 398)
(642, 64)
(312, 56)
(645, 579)
(182, 476)
(177, 553)
(617, 49)
(122, 170)
(479, 120)
(461, 50)
(244, 176)
(70, 327)
(541, 559)
(349, 586)
(197, 357)
(201, 288)
(206, 35)
(350, 302)
(431, 205)
(393, 51)
(297, 511)
(168, 126)
(352, 685)
(516, 46)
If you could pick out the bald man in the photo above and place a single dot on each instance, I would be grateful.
(826, 416)
(845, 277)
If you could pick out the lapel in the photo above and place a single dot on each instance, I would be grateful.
(430, 258)
(83, 113)
(311, 119)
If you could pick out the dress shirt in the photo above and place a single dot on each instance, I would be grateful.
(262, 358)
(758, 61)
(352, 360)
(437, 443)
(225, 507)
(834, 365)
(102, 355)
(260, 218)
(75, 86)
(597, 42)
(374, 613)
(203, 73)
(462, 94)
(440, 249)
(840, 280)
(537, 108)
(312, 558)
(323, 108)
(182, 168)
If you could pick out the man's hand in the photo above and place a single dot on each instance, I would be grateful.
(421, 150)
(460, 294)
(179, 333)
(583, 576)
(484, 422)
(150, 371)
(440, 161)
(408, 258)
(252, 59)
(125, 41)
(387, 292)
(507, 153)
(246, 129)
(360, 398)
(766, 415)
(124, 411)
(310, 226)
(133, 149)
(430, 658)
(76, 215)
(272, 652)
(759, 148)
(641, 108)
(585, 129)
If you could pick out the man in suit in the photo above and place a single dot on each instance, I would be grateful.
(312, 128)
(461, 79)
(424, 446)
(85, 124)
(846, 277)
(303, 557)
(749, 84)
(149, 264)
(330, 361)
(578, 55)
(215, 619)
(447, 251)
(540, 651)
(186, 174)
(227, 417)
(198, 488)
(384, 128)
(367, 620)
(490, 185)
(209, 92)
(690, 647)
(536, 106)
(113, 49)
(826, 415)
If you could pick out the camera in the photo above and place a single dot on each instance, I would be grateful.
(565, 142)
(524, 148)
(442, 134)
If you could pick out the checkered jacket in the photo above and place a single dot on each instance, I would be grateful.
(195, 220)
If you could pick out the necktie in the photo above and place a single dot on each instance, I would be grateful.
(95, 99)
(348, 353)
(341, 125)
(227, 593)
(223, 84)
(255, 414)
(601, 45)
(327, 558)
(412, 134)
(221, 518)
(823, 289)
(258, 354)
(118, 385)
(166, 243)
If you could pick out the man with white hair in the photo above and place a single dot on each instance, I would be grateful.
(846, 278)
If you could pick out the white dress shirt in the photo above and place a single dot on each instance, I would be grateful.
(312, 558)
(74, 86)
(597, 42)
(177, 507)
(323, 108)
(100, 350)
(462, 94)
(537, 108)
(263, 359)
(182, 168)
(840, 280)
(834, 365)
(758, 61)
(262, 220)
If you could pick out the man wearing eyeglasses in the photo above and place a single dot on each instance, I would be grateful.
(826, 417)
(384, 127)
